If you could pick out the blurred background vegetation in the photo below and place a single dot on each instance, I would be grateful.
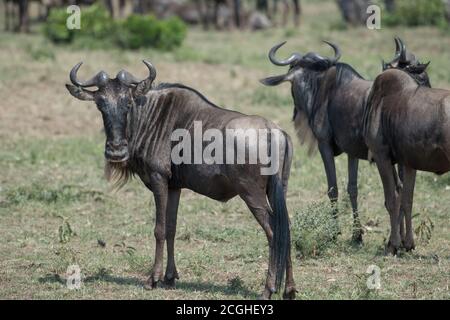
(163, 24)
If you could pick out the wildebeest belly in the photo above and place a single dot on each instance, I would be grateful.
(431, 158)
(208, 180)
(352, 145)
(419, 139)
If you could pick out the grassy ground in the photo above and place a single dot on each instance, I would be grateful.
(55, 205)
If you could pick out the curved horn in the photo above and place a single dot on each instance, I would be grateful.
(152, 70)
(293, 58)
(337, 51)
(127, 78)
(402, 51)
(98, 80)
(398, 52)
(145, 85)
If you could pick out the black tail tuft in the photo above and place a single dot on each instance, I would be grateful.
(279, 222)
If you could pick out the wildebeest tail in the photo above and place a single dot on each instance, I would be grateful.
(279, 222)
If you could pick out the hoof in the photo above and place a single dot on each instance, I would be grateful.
(357, 238)
(289, 293)
(169, 283)
(391, 249)
(409, 246)
(152, 283)
(267, 294)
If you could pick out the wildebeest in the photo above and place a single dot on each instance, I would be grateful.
(408, 123)
(405, 60)
(139, 119)
(329, 99)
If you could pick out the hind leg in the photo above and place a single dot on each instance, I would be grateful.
(409, 181)
(392, 198)
(257, 203)
(402, 211)
(262, 216)
(289, 289)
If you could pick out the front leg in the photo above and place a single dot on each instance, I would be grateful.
(171, 228)
(352, 189)
(327, 154)
(159, 185)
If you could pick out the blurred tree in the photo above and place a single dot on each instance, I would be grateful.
(447, 10)
(16, 9)
(390, 5)
(272, 10)
(354, 11)
(220, 13)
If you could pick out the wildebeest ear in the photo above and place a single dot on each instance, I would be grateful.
(143, 87)
(420, 68)
(80, 93)
(273, 81)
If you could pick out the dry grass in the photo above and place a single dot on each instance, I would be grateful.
(51, 160)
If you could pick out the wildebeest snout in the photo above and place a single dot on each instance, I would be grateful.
(116, 150)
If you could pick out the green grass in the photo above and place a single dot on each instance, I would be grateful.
(56, 209)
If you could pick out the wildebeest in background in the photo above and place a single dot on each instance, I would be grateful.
(19, 9)
(329, 100)
(407, 123)
(17, 16)
(271, 9)
(139, 119)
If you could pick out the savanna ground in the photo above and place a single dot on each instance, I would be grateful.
(55, 205)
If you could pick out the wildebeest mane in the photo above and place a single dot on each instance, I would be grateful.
(421, 78)
(165, 85)
(345, 73)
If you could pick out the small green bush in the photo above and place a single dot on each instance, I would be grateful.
(314, 229)
(417, 13)
(99, 30)
(173, 32)
(55, 27)
(138, 31)
(147, 31)
(97, 26)
(96, 22)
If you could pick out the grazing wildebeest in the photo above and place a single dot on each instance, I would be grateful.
(329, 100)
(139, 119)
(408, 123)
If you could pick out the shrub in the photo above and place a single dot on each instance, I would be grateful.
(98, 29)
(96, 22)
(147, 31)
(138, 31)
(55, 27)
(173, 32)
(314, 229)
(96, 26)
(417, 13)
